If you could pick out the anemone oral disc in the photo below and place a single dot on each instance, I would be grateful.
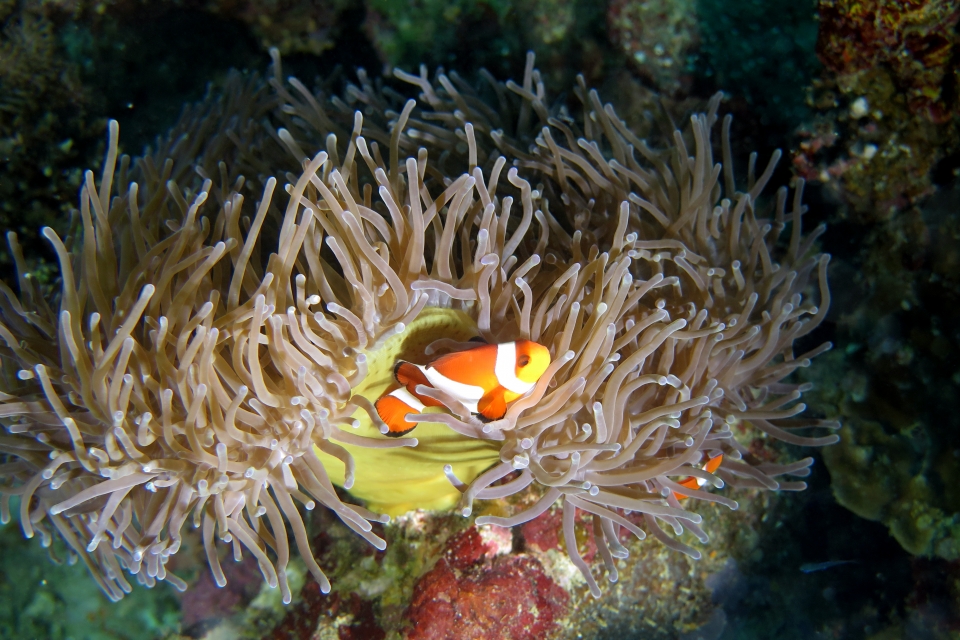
(397, 480)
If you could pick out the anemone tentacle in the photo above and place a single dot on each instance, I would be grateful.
(215, 360)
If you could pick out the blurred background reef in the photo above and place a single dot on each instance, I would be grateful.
(864, 98)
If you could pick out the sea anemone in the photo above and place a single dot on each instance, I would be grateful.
(217, 362)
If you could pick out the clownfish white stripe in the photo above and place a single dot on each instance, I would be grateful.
(506, 369)
(466, 393)
(407, 398)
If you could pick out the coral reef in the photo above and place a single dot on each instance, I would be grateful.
(472, 34)
(915, 41)
(889, 91)
(44, 127)
(882, 142)
(895, 381)
(474, 591)
(660, 39)
(291, 26)
(67, 65)
(659, 594)
(762, 54)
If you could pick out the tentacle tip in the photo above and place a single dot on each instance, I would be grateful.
(466, 511)
(734, 506)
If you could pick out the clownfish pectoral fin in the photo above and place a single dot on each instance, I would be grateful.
(492, 405)
(393, 408)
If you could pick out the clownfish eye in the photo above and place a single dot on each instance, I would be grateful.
(523, 361)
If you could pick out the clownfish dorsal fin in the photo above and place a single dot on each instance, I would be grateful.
(713, 463)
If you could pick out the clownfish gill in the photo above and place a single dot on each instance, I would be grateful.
(485, 379)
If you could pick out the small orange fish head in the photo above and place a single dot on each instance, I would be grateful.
(532, 360)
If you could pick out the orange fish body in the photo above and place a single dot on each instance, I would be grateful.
(693, 483)
(485, 379)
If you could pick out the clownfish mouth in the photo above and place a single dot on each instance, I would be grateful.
(484, 379)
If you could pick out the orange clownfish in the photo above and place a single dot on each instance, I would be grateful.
(693, 483)
(485, 379)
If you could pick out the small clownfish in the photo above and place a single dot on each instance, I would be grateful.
(485, 379)
(691, 482)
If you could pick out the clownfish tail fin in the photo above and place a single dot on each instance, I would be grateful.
(393, 408)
